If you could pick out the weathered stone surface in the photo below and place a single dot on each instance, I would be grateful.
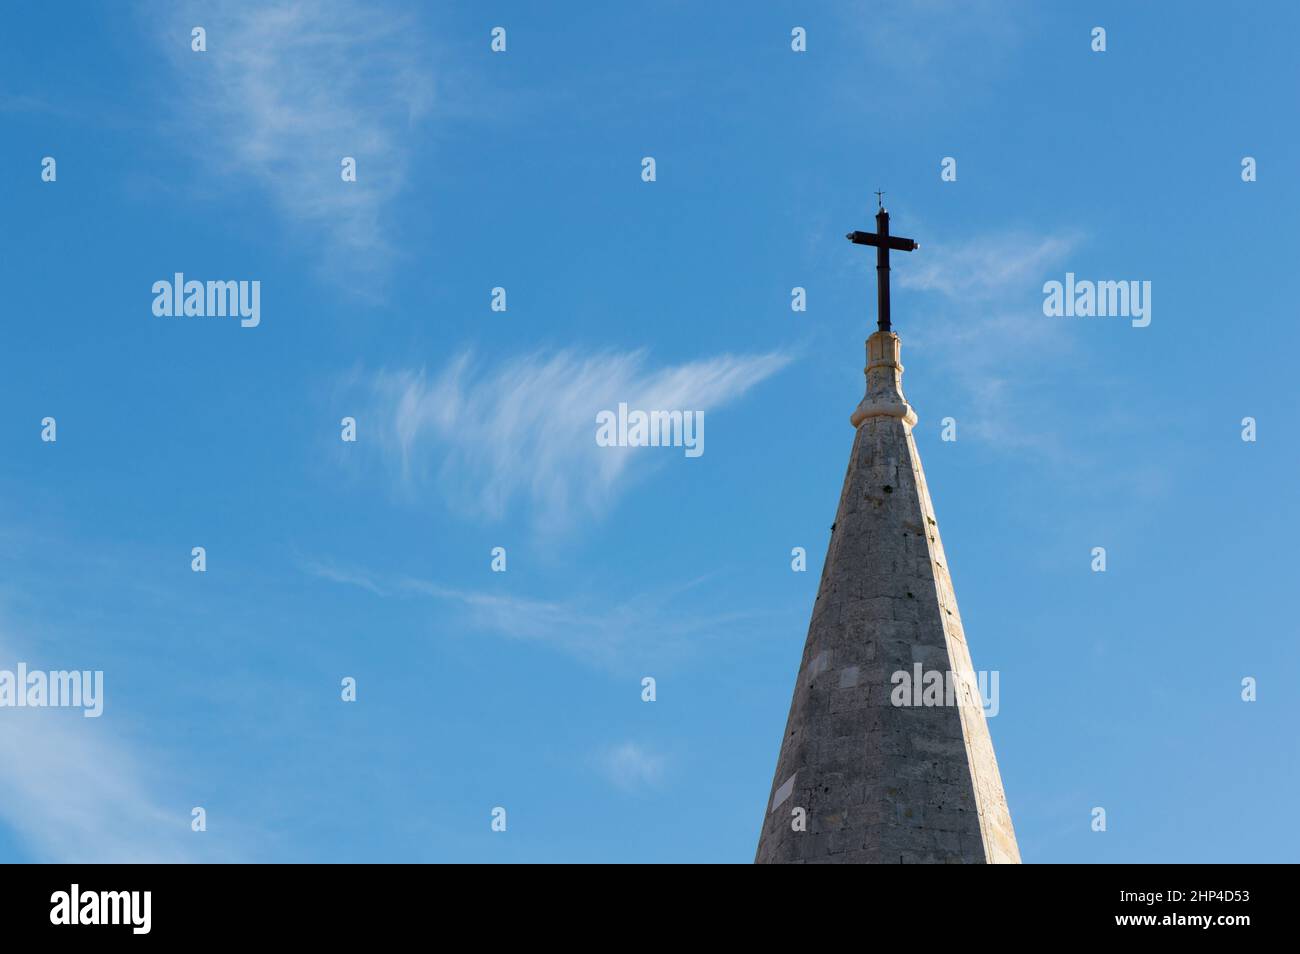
(882, 783)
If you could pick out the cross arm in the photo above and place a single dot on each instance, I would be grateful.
(890, 241)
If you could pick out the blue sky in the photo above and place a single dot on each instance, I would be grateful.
(522, 170)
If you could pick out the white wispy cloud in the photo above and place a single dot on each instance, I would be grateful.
(336, 574)
(930, 45)
(73, 791)
(285, 90)
(617, 634)
(525, 430)
(632, 767)
(988, 266)
(986, 329)
(989, 289)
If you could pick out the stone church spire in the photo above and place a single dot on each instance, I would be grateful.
(886, 756)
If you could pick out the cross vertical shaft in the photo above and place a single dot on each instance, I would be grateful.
(882, 271)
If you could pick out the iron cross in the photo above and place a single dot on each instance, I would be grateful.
(883, 242)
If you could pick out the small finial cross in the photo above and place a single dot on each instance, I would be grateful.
(880, 199)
